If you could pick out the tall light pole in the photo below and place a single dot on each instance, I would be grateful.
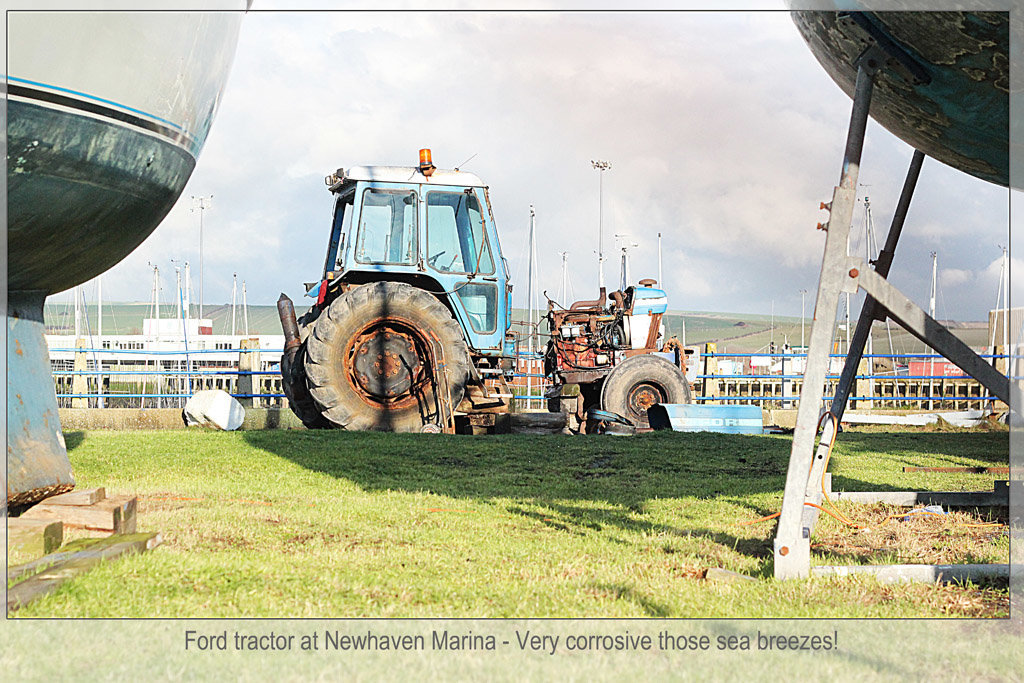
(601, 167)
(201, 203)
(803, 294)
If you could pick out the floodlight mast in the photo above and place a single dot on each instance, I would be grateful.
(201, 203)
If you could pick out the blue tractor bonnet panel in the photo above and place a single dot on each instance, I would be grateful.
(649, 300)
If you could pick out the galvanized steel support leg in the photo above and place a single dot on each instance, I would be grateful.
(854, 354)
(930, 331)
(792, 541)
(869, 313)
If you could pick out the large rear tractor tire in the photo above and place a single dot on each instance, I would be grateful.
(301, 402)
(639, 382)
(370, 359)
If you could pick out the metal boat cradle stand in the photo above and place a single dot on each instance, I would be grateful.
(806, 477)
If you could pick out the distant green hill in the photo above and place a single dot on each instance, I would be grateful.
(737, 332)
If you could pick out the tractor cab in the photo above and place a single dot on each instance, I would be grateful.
(430, 228)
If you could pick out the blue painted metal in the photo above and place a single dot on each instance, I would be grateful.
(648, 300)
(690, 417)
(607, 416)
(37, 460)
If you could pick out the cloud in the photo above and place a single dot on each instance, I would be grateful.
(953, 277)
(723, 132)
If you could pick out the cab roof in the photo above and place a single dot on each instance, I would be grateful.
(408, 174)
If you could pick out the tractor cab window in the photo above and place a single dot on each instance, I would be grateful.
(387, 227)
(456, 241)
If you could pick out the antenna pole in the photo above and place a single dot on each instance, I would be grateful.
(563, 294)
(931, 312)
(1006, 308)
(245, 310)
(99, 308)
(78, 315)
(803, 295)
(601, 167)
(188, 290)
(661, 283)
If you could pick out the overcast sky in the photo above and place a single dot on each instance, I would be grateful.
(722, 131)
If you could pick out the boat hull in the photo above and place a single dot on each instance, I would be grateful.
(962, 116)
(83, 193)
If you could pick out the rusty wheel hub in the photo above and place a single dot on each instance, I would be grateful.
(643, 396)
(385, 363)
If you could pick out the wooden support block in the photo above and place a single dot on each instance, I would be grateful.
(538, 423)
(33, 537)
(83, 497)
(49, 572)
(116, 514)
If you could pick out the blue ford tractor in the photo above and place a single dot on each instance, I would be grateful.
(413, 308)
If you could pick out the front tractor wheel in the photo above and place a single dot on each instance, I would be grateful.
(372, 360)
(638, 383)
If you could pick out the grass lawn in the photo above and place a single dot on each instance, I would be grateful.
(336, 524)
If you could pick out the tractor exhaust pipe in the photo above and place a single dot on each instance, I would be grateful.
(286, 311)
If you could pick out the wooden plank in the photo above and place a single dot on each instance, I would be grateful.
(998, 497)
(83, 497)
(33, 537)
(63, 566)
(927, 573)
(115, 514)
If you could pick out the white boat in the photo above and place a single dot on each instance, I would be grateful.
(107, 113)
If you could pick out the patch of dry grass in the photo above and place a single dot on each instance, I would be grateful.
(903, 536)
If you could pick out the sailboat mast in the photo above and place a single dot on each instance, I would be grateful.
(529, 304)
(245, 310)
